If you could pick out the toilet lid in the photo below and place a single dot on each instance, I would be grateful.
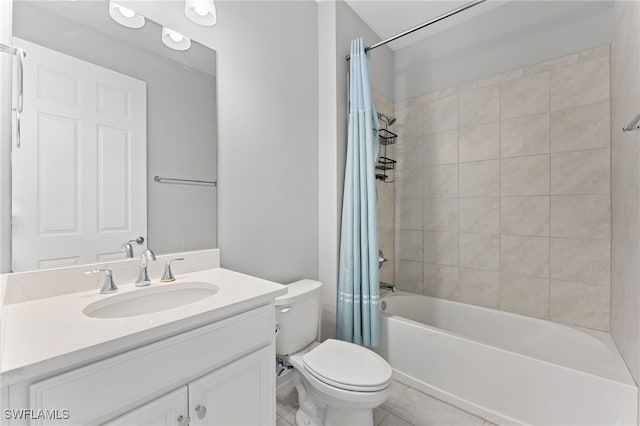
(348, 366)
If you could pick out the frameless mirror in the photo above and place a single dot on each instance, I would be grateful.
(110, 103)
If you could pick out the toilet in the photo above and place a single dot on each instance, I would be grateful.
(338, 383)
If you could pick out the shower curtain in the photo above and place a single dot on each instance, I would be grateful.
(358, 314)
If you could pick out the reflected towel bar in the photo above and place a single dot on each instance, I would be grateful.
(205, 182)
(633, 125)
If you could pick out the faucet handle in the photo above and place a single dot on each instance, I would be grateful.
(168, 277)
(109, 285)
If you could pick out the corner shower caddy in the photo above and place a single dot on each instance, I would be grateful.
(385, 163)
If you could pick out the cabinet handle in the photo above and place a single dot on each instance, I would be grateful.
(183, 421)
(201, 410)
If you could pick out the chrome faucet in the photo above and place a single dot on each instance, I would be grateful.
(143, 275)
(388, 286)
(127, 248)
(109, 285)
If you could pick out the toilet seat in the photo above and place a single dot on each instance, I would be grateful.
(347, 366)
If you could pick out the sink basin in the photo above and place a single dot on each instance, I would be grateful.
(159, 297)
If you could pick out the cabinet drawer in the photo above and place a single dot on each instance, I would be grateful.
(107, 388)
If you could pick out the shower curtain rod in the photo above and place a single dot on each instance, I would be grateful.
(425, 24)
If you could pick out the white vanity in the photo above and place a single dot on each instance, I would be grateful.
(206, 362)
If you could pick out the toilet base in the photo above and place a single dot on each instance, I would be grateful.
(336, 417)
(314, 411)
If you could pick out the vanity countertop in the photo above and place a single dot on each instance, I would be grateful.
(52, 335)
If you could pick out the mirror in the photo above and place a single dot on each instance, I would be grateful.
(106, 109)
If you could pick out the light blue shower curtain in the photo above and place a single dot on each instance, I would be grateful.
(358, 314)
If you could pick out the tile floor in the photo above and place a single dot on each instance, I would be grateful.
(405, 407)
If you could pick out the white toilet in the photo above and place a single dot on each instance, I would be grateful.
(338, 383)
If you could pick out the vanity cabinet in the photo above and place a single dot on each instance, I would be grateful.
(236, 394)
(218, 374)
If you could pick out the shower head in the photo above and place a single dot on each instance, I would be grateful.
(386, 119)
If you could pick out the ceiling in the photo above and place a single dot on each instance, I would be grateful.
(94, 15)
(389, 17)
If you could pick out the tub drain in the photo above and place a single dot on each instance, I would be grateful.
(383, 306)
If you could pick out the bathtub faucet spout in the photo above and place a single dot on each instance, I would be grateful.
(388, 286)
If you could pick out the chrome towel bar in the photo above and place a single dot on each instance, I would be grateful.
(174, 180)
(633, 125)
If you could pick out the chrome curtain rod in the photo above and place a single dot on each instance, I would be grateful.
(425, 24)
(164, 179)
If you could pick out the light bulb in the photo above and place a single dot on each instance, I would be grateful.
(126, 12)
(201, 11)
(177, 37)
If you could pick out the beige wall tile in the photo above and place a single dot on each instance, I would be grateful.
(581, 216)
(409, 121)
(480, 215)
(580, 128)
(580, 304)
(441, 148)
(409, 183)
(408, 152)
(441, 114)
(480, 106)
(594, 53)
(479, 287)
(511, 75)
(581, 84)
(385, 205)
(441, 181)
(387, 243)
(525, 255)
(581, 172)
(409, 245)
(408, 275)
(551, 65)
(480, 251)
(524, 295)
(480, 179)
(467, 86)
(441, 281)
(386, 272)
(524, 175)
(408, 213)
(441, 248)
(441, 214)
(524, 216)
(525, 96)
(525, 136)
(480, 142)
(489, 81)
(585, 261)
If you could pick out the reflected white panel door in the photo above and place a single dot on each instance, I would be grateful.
(79, 178)
(241, 393)
(163, 411)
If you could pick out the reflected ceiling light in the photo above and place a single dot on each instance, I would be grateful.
(125, 16)
(202, 12)
(174, 39)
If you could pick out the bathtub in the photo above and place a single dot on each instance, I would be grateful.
(504, 367)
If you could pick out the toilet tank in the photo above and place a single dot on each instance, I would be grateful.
(298, 315)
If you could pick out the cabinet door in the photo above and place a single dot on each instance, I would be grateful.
(240, 393)
(163, 411)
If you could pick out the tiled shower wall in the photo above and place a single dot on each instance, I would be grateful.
(502, 191)
(385, 198)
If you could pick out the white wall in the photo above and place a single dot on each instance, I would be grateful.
(5, 139)
(625, 186)
(181, 125)
(268, 131)
(505, 38)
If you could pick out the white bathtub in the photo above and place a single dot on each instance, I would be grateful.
(505, 367)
